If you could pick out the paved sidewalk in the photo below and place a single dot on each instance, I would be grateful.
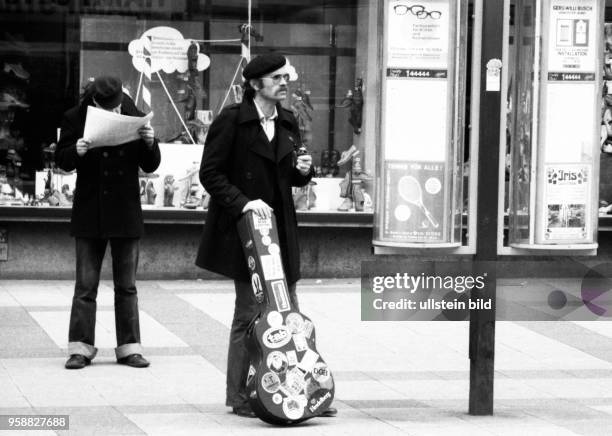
(392, 378)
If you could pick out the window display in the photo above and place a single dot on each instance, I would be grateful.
(181, 61)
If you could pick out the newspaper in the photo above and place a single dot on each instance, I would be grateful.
(104, 128)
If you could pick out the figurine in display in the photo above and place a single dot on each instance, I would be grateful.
(143, 192)
(354, 101)
(302, 110)
(151, 194)
(351, 188)
(169, 188)
(190, 200)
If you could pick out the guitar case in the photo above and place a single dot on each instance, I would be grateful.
(288, 380)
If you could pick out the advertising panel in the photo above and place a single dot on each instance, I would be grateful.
(417, 123)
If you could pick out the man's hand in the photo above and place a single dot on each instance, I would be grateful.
(82, 145)
(304, 162)
(147, 134)
(259, 207)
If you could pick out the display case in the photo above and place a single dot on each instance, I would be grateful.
(555, 125)
(421, 167)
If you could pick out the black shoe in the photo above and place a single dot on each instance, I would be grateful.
(329, 413)
(77, 361)
(244, 411)
(134, 360)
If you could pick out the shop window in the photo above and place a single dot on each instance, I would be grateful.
(49, 50)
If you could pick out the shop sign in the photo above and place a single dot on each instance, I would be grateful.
(92, 6)
(414, 201)
(418, 34)
(566, 208)
(572, 36)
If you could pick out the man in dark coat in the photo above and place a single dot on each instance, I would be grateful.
(249, 163)
(106, 207)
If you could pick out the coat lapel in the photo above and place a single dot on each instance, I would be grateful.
(287, 142)
(258, 141)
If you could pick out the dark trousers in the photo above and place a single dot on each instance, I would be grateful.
(89, 256)
(245, 309)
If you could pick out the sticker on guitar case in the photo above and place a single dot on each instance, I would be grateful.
(270, 382)
(280, 296)
(308, 328)
(277, 398)
(273, 249)
(308, 360)
(266, 240)
(272, 266)
(320, 372)
(275, 319)
(249, 244)
(294, 384)
(261, 223)
(294, 322)
(276, 337)
(291, 358)
(292, 408)
(315, 402)
(257, 288)
(300, 342)
(277, 362)
(250, 374)
(251, 262)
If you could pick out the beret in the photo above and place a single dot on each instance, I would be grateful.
(108, 91)
(262, 65)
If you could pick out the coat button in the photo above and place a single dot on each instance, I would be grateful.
(105, 154)
(249, 176)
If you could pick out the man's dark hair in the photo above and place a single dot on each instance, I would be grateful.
(249, 91)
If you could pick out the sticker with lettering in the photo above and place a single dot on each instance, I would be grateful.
(261, 223)
(272, 266)
(320, 372)
(251, 262)
(266, 240)
(317, 402)
(270, 382)
(277, 362)
(280, 296)
(276, 337)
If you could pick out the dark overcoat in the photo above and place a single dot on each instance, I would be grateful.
(239, 164)
(107, 195)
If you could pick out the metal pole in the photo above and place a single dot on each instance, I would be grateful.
(482, 323)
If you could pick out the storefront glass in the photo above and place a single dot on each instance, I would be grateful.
(50, 49)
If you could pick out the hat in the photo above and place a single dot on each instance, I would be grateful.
(262, 65)
(108, 91)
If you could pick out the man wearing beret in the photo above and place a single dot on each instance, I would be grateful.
(106, 208)
(249, 163)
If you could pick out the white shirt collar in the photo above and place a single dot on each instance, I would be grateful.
(261, 115)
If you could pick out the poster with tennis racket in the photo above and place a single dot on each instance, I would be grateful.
(414, 203)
